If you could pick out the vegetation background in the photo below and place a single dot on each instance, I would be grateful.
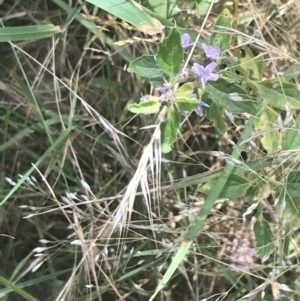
(69, 149)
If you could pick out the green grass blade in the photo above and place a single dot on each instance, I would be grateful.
(205, 210)
(60, 139)
(32, 282)
(214, 193)
(254, 165)
(16, 289)
(25, 132)
(28, 33)
(172, 268)
(131, 12)
(92, 28)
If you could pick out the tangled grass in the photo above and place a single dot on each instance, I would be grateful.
(90, 208)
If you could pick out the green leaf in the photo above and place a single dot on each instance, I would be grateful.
(255, 65)
(293, 184)
(250, 194)
(28, 33)
(202, 7)
(145, 107)
(32, 282)
(215, 113)
(263, 236)
(186, 90)
(218, 38)
(220, 91)
(278, 94)
(170, 52)
(146, 66)
(162, 8)
(291, 136)
(16, 289)
(169, 129)
(235, 187)
(266, 117)
(131, 12)
(289, 74)
(186, 104)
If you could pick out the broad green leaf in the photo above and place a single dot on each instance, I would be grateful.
(290, 73)
(215, 113)
(219, 38)
(255, 65)
(169, 129)
(131, 12)
(289, 193)
(28, 33)
(293, 184)
(162, 8)
(291, 136)
(170, 52)
(146, 66)
(279, 94)
(235, 187)
(263, 236)
(250, 194)
(202, 7)
(221, 93)
(150, 106)
(186, 90)
(266, 117)
(186, 104)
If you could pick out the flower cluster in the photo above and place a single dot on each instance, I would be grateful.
(204, 73)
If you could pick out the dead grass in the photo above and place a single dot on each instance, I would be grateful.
(101, 200)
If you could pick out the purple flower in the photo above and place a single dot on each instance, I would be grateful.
(184, 74)
(205, 73)
(185, 40)
(165, 89)
(145, 98)
(199, 109)
(211, 52)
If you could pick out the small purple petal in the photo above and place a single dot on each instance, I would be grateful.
(198, 69)
(184, 74)
(185, 40)
(211, 67)
(214, 77)
(211, 52)
(144, 98)
(205, 73)
(204, 104)
(199, 110)
(165, 89)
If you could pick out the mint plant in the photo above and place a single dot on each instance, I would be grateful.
(183, 90)
(225, 88)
